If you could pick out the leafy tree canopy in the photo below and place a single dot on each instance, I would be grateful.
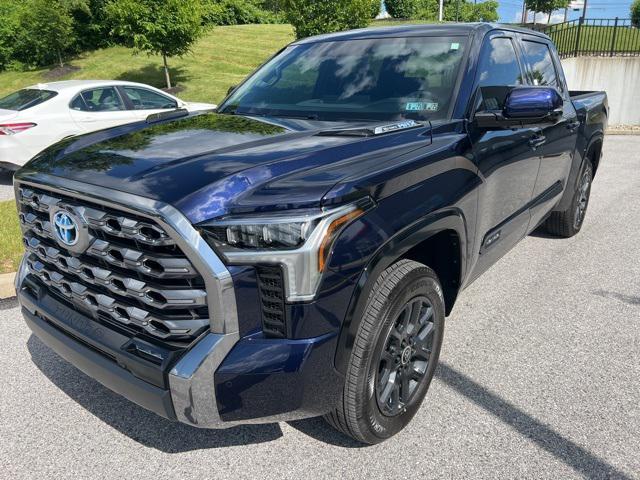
(161, 27)
(313, 17)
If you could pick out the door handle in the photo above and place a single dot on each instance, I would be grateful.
(537, 141)
(573, 126)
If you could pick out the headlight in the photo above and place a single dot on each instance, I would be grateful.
(300, 241)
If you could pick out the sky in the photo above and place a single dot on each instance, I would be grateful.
(511, 10)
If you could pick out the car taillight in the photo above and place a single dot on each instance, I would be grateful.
(13, 128)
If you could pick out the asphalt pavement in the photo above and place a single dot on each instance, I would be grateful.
(6, 186)
(539, 378)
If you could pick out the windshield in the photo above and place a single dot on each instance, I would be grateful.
(27, 98)
(376, 79)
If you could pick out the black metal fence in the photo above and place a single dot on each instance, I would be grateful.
(608, 37)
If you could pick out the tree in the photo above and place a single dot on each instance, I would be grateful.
(546, 6)
(313, 17)
(464, 11)
(158, 27)
(402, 8)
(45, 32)
(635, 13)
(9, 27)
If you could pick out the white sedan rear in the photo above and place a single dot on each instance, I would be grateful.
(36, 117)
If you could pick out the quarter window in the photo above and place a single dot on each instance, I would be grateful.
(538, 56)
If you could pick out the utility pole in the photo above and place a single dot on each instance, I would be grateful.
(584, 11)
(524, 12)
(457, 9)
(441, 15)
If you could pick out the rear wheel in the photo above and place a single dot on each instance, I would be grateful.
(394, 356)
(569, 222)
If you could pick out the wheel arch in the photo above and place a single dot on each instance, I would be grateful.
(439, 241)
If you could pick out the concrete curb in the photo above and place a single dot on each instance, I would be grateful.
(622, 132)
(7, 289)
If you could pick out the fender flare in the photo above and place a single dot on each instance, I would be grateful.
(393, 249)
(572, 181)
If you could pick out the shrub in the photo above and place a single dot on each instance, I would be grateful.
(375, 8)
(236, 12)
(9, 27)
(314, 17)
(467, 11)
(635, 13)
(402, 8)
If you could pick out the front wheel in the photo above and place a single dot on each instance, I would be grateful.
(394, 355)
(569, 222)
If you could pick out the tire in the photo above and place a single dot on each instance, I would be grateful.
(568, 223)
(401, 330)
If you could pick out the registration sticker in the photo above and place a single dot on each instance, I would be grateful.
(455, 46)
(422, 106)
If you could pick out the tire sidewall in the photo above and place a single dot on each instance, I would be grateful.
(586, 165)
(419, 282)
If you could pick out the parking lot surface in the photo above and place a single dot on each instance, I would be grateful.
(539, 378)
(6, 186)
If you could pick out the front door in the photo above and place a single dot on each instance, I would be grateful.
(507, 160)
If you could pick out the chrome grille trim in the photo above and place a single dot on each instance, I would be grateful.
(219, 285)
(99, 302)
(130, 228)
(134, 288)
(172, 267)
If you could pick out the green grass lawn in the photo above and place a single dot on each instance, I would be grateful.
(595, 39)
(10, 238)
(220, 59)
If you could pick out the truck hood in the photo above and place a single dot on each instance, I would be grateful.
(210, 165)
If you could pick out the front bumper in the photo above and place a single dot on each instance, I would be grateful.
(219, 383)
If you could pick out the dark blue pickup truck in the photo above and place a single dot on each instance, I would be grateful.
(295, 253)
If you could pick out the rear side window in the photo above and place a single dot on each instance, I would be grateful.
(104, 99)
(143, 99)
(538, 56)
(498, 70)
(26, 98)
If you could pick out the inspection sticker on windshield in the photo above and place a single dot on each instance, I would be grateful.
(422, 106)
(455, 46)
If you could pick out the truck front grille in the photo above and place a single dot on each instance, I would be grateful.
(132, 273)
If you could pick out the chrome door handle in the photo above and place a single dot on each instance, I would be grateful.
(537, 141)
(573, 126)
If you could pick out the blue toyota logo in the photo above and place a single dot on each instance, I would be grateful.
(66, 228)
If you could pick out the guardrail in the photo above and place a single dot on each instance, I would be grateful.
(605, 37)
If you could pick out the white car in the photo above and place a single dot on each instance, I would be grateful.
(36, 117)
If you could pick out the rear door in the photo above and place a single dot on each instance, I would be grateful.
(143, 102)
(507, 162)
(559, 139)
(99, 108)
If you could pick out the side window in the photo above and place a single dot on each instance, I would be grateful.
(538, 56)
(143, 99)
(78, 104)
(498, 69)
(104, 99)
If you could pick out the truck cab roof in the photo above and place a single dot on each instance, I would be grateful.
(417, 30)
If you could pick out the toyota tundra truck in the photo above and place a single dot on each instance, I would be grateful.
(295, 253)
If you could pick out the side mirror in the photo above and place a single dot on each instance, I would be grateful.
(524, 106)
